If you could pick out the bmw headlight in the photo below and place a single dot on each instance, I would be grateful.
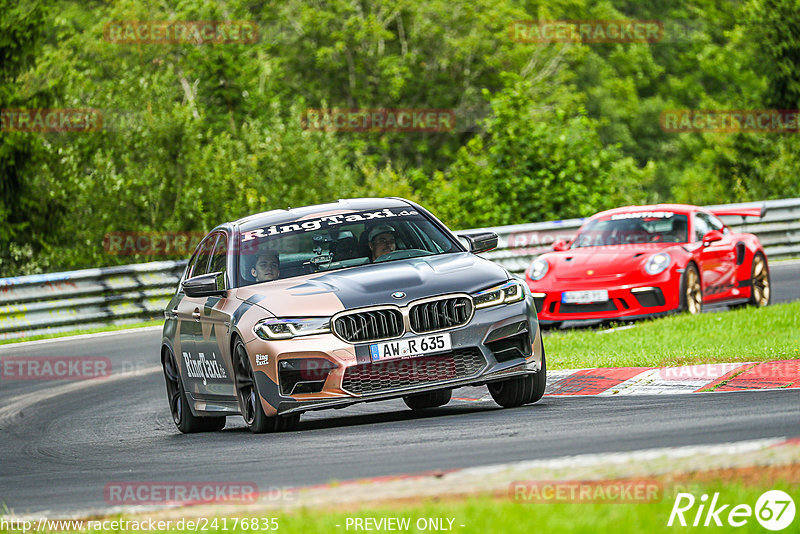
(657, 263)
(511, 291)
(289, 328)
(538, 269)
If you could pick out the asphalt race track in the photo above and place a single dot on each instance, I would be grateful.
(63, 441)
(785, 278)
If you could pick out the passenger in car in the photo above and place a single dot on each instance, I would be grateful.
(267, 266)
(381, 241)
(346, 247)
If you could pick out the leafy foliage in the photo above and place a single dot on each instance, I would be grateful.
(197, 134)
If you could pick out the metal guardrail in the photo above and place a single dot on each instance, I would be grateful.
(779, 232)
(50, 303)
(59, 302)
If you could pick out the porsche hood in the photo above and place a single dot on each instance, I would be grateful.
(609, 261)
(323, 294)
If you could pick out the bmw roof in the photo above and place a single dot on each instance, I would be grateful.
(268, 218)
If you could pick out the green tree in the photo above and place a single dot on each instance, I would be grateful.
(534, 164)
(775, 29)
(24, 217)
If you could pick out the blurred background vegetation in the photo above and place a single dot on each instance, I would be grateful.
(195, 135)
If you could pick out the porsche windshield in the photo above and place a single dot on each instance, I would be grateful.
(337, 241)
(633, 228)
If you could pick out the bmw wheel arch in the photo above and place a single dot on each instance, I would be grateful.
(179, 406)
(522, 390)
(249, 397)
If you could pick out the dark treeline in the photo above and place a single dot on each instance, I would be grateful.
(197, 134)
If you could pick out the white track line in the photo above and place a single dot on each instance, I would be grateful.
(673, 380)
(124, 331)
(621, 458)
(16, 404)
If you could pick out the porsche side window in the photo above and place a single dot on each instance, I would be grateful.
(701, 226)
(715, 223)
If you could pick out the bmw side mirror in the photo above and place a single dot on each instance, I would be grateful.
(479, 242)
(205, 285)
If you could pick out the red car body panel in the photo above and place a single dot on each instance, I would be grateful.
(724, 267)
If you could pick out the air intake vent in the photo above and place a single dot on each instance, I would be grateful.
(423, 370)
(440, 314)
(372, 325)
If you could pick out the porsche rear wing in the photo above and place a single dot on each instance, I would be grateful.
(757, 211)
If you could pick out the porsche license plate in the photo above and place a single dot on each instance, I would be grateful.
(584, 297)
(412, 346)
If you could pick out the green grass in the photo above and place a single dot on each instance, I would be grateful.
(486, 515)
(746, 334)
(109, 328)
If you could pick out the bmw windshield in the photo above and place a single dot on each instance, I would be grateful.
(337, 241)
(634, 228)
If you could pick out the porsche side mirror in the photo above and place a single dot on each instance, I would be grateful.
(711, 236)
(560, 245)
(205, 285)
(479, 242)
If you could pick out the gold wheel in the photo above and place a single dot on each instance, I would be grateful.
(693, 293)
(760, 295)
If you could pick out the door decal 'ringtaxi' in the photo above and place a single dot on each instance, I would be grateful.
(203, 368)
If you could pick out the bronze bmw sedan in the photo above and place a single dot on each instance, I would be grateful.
(324, 306)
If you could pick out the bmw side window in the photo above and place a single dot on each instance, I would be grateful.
(219, 257)
(701, 227)
(427, 243)
(190, 267)
(204, 256)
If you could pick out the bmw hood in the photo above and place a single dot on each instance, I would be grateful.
(394, 282)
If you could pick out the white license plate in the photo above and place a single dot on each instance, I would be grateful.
(412, 346)
(584, 297)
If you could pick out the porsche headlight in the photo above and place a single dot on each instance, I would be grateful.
(289, 328)
(657, 263)
(511, 291)
(538, 269)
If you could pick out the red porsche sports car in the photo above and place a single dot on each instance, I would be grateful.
(644, 261)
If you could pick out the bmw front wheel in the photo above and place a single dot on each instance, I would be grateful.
(518, 391)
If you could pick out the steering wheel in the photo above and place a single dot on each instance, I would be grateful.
(402, 254)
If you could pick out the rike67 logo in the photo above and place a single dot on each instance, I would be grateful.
(774, 510)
